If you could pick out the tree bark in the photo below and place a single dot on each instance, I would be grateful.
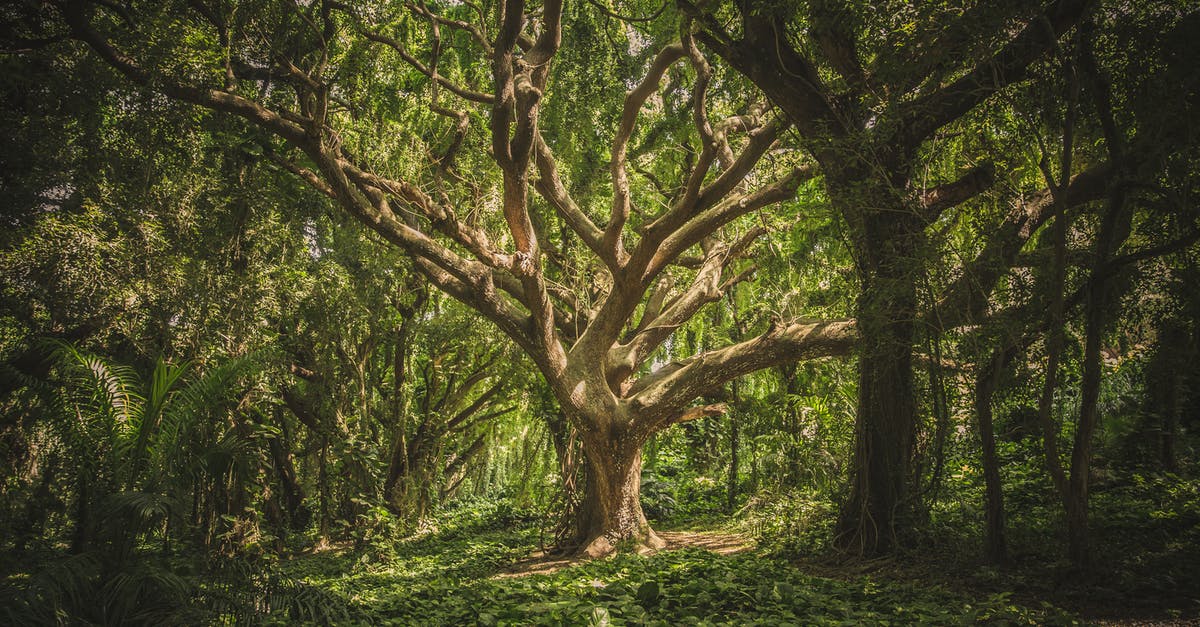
(1076, 499)
(293, 493)
(610, 515)
(734, 469)
(986, 382)
(879, 508)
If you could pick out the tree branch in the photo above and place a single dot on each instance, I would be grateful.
(1010, 64)
(665, 393)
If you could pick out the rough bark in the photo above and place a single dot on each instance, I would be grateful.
(880, 508)
(610, 515)
(285, 471)
(583, 339)
(865, 162)
(986, 382)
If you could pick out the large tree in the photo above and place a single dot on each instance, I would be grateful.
(875, 92)
(589, 278)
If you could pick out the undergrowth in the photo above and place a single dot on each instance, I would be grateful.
(450, 572)
(449, 576)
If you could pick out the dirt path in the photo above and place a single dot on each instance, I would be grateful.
(541, 563)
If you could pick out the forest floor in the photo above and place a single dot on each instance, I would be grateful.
(485, 570)
(484, 563)
(544, 562)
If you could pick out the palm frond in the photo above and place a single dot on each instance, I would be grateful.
(145, 594)
(139, 510)
(199, 399)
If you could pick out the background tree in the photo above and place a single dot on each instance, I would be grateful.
(874, 112)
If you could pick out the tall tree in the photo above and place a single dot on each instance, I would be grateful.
(311, 81)
(870, 109)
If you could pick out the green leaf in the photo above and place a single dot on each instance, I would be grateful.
(648, 592)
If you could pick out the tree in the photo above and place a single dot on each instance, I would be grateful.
(442, 422)
(872, 110)
(309, 79)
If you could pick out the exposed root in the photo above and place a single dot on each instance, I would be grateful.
(543, 562)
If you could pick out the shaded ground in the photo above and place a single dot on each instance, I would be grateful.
(544, 562)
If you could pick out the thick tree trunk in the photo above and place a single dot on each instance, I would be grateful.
(887, 235)
(610, 516)
(879, 507)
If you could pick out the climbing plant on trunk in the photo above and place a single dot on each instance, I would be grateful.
(869, 109)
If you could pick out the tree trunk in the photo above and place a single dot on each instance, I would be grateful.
(1165, 390)
(734, 470)
(985, 385)
(1076, 500)
(566, 445)
(879, 508)
(292, 492)
(941, 416)
(1170, 425)
(610, 515)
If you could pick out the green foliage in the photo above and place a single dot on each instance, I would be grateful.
(163, 243)
(792, 522)
(658, 501)
(447, 578)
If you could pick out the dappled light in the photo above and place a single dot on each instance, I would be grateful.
(599, 312)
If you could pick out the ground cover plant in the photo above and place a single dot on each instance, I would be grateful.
(344, 312)
(465, 575)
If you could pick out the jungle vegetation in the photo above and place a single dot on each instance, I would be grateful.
(329, 312)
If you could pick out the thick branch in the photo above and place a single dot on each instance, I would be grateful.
(550, 186)
(663, 395)
(929, 113)
(966, 300)
(707, 222)
(214, 99)
(938, 199)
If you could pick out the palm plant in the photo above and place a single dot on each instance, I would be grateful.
(142, 442)
(141, 447)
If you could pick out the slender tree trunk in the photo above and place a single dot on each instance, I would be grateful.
(1164, 388)
(792, 414)
(1170, 424)
(323, 492)
(1081, 455)
(986, 382)
(611, 512)
(291, 491)
(1115, 227)
(941, 416)
(734, 470)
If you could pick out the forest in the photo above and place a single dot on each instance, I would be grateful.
(599, 312)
